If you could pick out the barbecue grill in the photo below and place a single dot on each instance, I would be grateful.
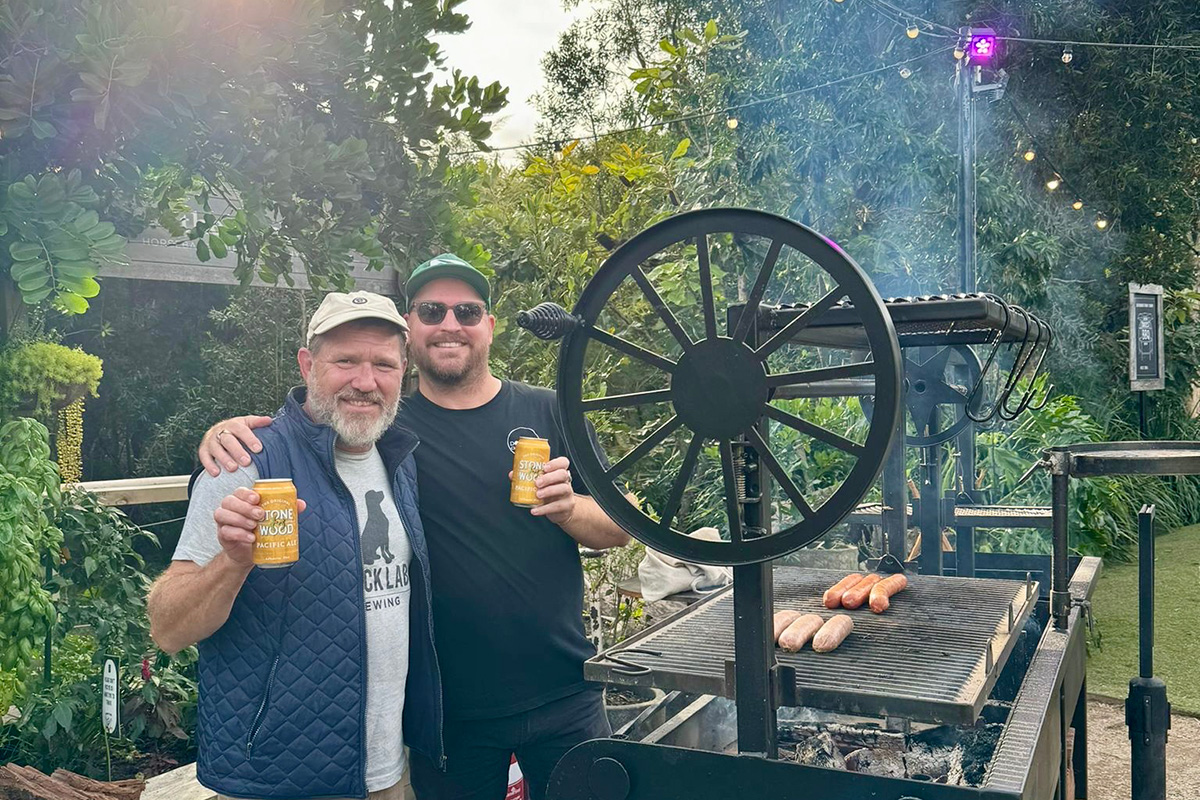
(940, 655)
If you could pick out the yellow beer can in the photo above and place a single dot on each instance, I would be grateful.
(529, 457)
(276, 539)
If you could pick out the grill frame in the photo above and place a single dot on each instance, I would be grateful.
(919, 321)
(894, 656)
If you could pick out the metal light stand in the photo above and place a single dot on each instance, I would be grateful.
(1147, 712)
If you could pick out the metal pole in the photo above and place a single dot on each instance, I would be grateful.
(1142, 413)
(753, 615)
(1146, 592)
(895, 494)
(754, 645)
(966, 175)
(1147, 712)
(1060, 595)
(1079, 723)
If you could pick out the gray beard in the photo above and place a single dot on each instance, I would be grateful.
(350, 431)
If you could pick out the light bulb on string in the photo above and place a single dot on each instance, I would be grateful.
(912, 31)
(1077, 205)
(731, 123)
(1054, 183)
(839, 1)
(959, 52)
(1101, 223)
(905, 72)
(1029, 155)
(1067, 55)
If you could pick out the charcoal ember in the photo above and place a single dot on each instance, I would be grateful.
(932, 762)
(820, 751)
(886, 763)
(978, 747)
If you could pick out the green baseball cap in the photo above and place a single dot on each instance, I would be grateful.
(448, 265)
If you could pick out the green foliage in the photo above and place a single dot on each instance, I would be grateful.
(101, 580)
(29, 491)
(58, 243)
(1103, 510)
(294, 127)
(247, 364)
(39, 377)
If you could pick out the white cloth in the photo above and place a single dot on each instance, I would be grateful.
(662, 575)
(386, 556)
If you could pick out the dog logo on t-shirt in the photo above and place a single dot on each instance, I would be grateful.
(375, 540)
(517, 433)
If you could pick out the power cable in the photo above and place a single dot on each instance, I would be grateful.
(705, 114)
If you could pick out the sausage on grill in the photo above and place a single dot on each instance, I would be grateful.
(782, 620)
(882, 591)
(857, 595)
(832, 633)
(833, 595)
(799, 632)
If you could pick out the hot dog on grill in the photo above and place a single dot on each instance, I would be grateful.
(857, 595)
(833, 595)
(799, 632)
(782, 620)
(832, 633)
(882, 591)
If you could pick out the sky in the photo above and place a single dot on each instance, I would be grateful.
(505, 43)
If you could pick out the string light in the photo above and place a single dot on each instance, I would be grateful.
(905, 72)
(1029, 155)
(1101, 223)
(1054, 183)
(912, 31)
(731, 123)
(1067, 55)
(959, 51)
(1077, 205)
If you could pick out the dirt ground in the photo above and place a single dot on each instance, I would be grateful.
(1108, 754)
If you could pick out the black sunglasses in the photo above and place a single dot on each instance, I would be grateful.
(467, 314)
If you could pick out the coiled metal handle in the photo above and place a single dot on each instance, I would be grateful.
(547, 321)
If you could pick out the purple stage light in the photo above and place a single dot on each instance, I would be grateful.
(983, 46)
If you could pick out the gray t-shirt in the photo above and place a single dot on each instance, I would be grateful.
(386, 557)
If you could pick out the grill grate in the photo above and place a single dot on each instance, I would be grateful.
(929, 320)
(967, 516)
(933, 657)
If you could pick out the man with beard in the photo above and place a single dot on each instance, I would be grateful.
(507, 581)
(314, 678)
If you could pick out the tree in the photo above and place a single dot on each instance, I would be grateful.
(871, 161)
(317, 124)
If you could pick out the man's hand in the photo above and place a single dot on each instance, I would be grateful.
(237, 518)
(224, 444)
(555, 492)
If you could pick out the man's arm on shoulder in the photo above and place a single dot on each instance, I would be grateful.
(225, 444)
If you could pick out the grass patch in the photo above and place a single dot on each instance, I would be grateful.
(1176, 623)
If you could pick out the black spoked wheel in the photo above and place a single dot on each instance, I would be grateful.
(948, 379)
(716, 381)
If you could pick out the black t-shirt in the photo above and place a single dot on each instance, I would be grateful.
(507, 586)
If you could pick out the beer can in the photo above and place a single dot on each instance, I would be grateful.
(276, 538)
(529, 457)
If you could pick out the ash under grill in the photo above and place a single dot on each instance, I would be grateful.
(934, 656)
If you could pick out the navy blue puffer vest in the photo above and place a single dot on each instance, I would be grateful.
(283, 681)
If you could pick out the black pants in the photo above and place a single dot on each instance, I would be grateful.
(478, 751)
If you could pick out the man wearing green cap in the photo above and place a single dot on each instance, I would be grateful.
(507, 581)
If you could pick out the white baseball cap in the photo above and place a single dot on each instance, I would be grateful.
(338, 308)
